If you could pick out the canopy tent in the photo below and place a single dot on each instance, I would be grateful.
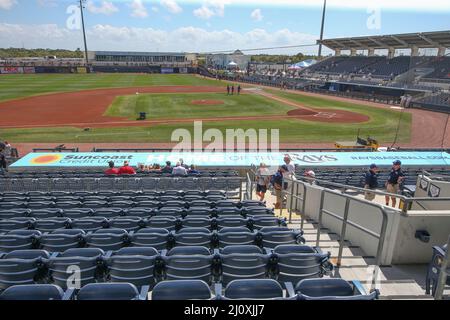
(302, 64)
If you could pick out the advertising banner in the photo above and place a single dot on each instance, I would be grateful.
(11, 70)
(29, 70)
(236, 159)
(167, 70)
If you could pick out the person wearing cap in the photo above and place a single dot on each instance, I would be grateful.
(277, 182)
(396, 176)
(371, 181)
(111, 171)
(311, 176)
(126, 169)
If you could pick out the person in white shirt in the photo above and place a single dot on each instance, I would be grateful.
(179, 170)
(290, 174)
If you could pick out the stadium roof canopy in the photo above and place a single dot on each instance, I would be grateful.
(437, 39)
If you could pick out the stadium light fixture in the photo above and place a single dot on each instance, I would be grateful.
(84, 32)
(322, 27)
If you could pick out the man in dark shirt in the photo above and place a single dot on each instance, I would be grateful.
(371, 182)
(277, 182)
(168, 168)
(396, 177)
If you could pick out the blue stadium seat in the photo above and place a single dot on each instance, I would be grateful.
(182, 290)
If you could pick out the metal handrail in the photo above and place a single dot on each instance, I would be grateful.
(345, 222)
(442, 280)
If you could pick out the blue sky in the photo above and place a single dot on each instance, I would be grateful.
(210, 25)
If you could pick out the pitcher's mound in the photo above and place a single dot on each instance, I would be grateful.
(207, 102)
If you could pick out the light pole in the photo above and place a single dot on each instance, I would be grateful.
(84, 32)
(323, 25)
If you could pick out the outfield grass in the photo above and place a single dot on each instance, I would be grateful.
(19, 86)
(382, 124)
(175, 106)
(291, 131)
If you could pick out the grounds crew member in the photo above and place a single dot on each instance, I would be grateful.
(396, 177)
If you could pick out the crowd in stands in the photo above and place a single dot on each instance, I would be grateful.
(180, 169)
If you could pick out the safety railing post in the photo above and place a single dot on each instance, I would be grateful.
(343, 231)
(290, 202)
(319, 220)
(302, 214)
(240, 190)
(442, 280)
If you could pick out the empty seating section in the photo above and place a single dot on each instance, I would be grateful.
(441, 66)
(355, 177)
(230, 184)
(377, 66)
(109, 244)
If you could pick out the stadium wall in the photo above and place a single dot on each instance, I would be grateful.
(100, 69)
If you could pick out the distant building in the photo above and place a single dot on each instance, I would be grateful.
(169, 59)
(224, 61)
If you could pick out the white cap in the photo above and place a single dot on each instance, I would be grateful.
(310, 173)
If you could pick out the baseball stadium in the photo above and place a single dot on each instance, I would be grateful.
(225, 175)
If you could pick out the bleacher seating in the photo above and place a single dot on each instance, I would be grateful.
(441, 66)
(355, 177)
(124, 244)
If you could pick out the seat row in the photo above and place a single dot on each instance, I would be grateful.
(171, 223)
(115, 239)
(145, 266)
(139, 212)
(136, 198)
(75, 174)
(243, 289)
(117, 184)
(110, 193)
(146, 202)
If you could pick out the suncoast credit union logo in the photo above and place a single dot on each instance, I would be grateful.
(46, 159)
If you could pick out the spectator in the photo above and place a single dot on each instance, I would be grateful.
(167, 168)
(396, 177)
(179, 170)
(310, 176)
(7, 149)
(277, 182)
(141, 168)
(289, 174)
(193, 170)
(371, 182)
(262, 180)
(126, 169)
(111, 171)
(183, 164)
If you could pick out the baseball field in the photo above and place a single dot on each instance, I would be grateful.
(94, 108)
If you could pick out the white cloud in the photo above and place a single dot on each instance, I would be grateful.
(106, 8)
(188, 39)
(7, 4)
(256, 15)
(211, 8)
(171, 6)
(403, 5)
(48, 3)
(155, 9)
(139, 9)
